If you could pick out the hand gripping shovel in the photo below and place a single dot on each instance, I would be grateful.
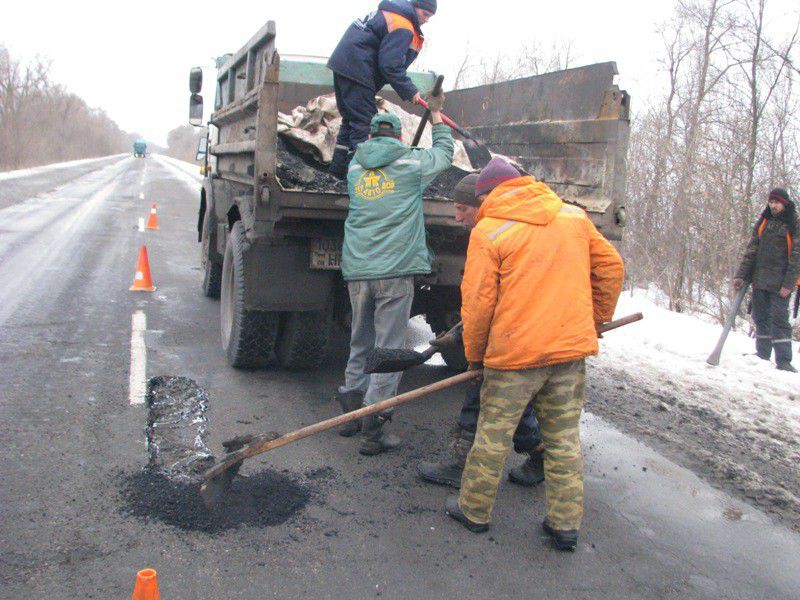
(217, 479)
(477, 152)
(392, 360)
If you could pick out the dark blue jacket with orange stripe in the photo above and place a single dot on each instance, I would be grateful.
(379, 48)
(772, 258)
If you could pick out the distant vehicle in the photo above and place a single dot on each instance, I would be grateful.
(140, 148)
(273, 254)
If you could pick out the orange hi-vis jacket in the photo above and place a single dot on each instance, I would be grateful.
(538, 278)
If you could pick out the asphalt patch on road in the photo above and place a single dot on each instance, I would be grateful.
(265, 499)
(176, 429)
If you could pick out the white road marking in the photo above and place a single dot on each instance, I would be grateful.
(141, 224)
(138, 378)
(141, 194)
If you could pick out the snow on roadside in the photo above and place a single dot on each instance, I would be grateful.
(54, 167)
(188, 173)
(667, 352)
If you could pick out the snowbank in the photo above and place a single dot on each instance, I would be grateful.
(55, 167)
(188, 173)
(668, 350)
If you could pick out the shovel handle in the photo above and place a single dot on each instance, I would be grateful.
(449, 122)
(611, 325)
(437, 89)
(265, 444)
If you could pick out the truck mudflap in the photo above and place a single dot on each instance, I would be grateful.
(287, 281)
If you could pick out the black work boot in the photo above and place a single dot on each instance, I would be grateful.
(786, 366)
(340, 162)
(449, 471)
(350, 401)
(529, 473)
(373, 439)
(454, 511)
(564, 540)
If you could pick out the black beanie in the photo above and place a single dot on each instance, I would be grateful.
(464, 192)
(781, 195)
(429, 5)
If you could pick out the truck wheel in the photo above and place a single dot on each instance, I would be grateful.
(248, 336)
(212, 271)
(303, 339)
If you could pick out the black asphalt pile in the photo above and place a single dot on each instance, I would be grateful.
(265, 499)
(176, 429)
(298, 170)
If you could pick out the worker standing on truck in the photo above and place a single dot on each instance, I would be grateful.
(772, 263)
(538, 280)
(375, 50)
(527, 439)
(385, 247)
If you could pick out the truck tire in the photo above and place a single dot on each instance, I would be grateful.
(212, 271)
(303, 340)
(248, 336)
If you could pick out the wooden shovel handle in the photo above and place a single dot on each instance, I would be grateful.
(265, 445)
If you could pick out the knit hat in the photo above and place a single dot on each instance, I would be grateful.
(464, 192)
(496, 172)
(429, 5)
(386, 123)
(781, 196)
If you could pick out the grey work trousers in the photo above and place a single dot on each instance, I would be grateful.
(381, 309)
(773, 330)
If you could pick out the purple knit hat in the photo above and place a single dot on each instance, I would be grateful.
(496, 172)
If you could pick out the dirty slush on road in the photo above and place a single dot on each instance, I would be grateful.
(166, 489)
(755, 463)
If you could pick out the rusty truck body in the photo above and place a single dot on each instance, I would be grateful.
(271, 254)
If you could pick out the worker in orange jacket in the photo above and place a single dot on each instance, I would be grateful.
(538, 280)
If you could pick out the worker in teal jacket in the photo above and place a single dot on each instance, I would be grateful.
(385, 246)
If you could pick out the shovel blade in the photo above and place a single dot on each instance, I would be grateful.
(478, 154)
(212, 490)
(387, 360)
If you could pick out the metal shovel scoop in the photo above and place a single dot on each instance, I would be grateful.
(392, 360)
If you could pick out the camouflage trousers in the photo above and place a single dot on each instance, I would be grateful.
(557, 393)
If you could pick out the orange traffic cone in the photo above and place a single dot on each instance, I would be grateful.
(141, 279)
(152, 221)
(146, 585)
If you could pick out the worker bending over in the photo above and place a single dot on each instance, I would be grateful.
(375, 50)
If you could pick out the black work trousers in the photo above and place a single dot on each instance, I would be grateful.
(356, 104)
(773, 331)
(527, 435)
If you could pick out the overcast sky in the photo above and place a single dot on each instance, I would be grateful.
(132, 58)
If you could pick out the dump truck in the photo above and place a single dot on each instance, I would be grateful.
(272, 254)
(139, 149)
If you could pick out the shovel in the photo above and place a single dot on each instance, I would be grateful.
(477, 152)
(389, 360)
(713, 358)
(217, 479)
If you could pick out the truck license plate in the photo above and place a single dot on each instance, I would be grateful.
(326, 253)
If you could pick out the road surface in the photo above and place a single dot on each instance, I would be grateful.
(364, 527)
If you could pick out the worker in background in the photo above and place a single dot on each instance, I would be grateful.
(772, 263)
(375, 50)
(538, 280)
(385, 247)
(526, 435)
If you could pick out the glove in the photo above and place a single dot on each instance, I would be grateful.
(435, 103)
(450, 339)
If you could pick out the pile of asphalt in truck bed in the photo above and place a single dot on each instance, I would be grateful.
(299, 171)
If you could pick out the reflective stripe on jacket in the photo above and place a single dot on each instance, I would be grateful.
(538, 277)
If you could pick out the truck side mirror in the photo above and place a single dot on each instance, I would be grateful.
(196, 110)
(202, 148)
(196, 80)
